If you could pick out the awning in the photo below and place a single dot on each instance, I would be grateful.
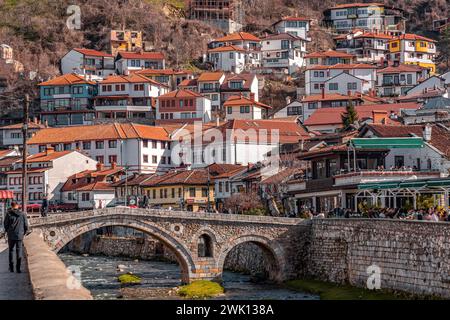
(391, 143)
(405, 184)
(5, 194)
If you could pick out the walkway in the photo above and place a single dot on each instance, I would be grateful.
(13, 286)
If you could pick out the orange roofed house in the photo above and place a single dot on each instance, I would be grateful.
(127, 62)
(88, 62)
(47, 172)
(92, 189)
(136, 147)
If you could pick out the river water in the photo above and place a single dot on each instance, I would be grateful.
(99, 275)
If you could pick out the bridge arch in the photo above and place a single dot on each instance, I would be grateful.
(273, 250)
(182, 254)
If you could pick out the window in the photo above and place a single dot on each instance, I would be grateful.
(312, 105)
(204, 192)
(155, 144)
(351, 86)
(145, 158)
(333, 86)
(284, 44)
(99, 145)
(230, 110)
(192, 192)
(399, 161)
(154, 159)
(245, 109)
(163, 160)
(112, 144)
(67, 146)
(220, 186)
(85, 196)
(173, 192)
(86, 145)
(112, 159)
(100, 159)
(77, 90)
(161, 193)
(154, 194)
(138, 87)
(231, 55)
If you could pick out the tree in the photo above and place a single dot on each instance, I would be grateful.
(444, 47)
(350, 116)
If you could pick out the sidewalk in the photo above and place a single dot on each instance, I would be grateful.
(13, 286)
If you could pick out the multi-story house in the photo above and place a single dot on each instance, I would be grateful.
(47, 172)
(398, 80)
(368, 16)
(367, 46)
(329, 58)
(242, 40)
(92, 189)
(223, 184)
(169, 77)
(245, 84)
(67, 100)
(209, 84)
(88, 62)
(127, 62)
(12, 135)
(292, 109)
(183, 106)
(125, 40)
(137, 148)
(297, 26)
(228, 59)
(413, 49)
(358, 78)
(127, 97)
(240, 107)
(283, 52)
(187, 190)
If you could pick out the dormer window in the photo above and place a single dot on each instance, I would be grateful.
(236, 84)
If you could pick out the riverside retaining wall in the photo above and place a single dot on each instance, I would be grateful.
(413, 256)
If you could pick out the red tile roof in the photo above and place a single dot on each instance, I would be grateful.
(31, 125)
(44, 157)
(329, 54)
(108, 131)
(93, 53)
(342, 66)
(351, 5)
(282, 36)
(238, 36)
(210, 76)
(67, 79)
(413, 37)
(332, 116)
(168, 72)
(91, 180)
(142, 55)
(186, 177)
(188, 83)
(236, 101)
(330, 97)
(440, 136)
(227, 49)
(181, 93)
(402, 68)
(132, 78)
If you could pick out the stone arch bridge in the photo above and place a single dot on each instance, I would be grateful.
(200, 241)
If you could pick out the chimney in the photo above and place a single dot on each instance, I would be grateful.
(379, 116)
(99, 166)
(288, 100)
(49, 150)
(252, 96)
(427, 130)
(217, 121)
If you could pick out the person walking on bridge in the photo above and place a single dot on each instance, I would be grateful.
(16, 227)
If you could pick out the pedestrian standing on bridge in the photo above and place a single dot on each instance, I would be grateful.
(16, 226)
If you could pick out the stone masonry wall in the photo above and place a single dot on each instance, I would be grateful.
(413, 256)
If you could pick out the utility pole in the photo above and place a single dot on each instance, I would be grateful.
(209, 195)
(25, 153)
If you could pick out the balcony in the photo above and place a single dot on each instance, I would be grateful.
(373, 176)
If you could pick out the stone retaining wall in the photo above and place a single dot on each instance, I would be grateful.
(49, 277)
(413, 256)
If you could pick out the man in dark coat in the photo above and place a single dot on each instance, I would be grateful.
(16, 226)
(44, 207)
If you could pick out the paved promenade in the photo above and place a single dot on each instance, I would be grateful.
(13, 286)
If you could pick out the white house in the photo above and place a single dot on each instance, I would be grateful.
(138, 148)
(88, 62)
(240, 107)
(317, 75)
(92, 189)
(368, 47)
(12, 135)
(130, 97)
(230, 59)
(297, 26)
(47, 172)
(294, 108)
(127, 62)
(183, 106)
(208, 85)
(432, 83)
(398, 80)
(283, 52)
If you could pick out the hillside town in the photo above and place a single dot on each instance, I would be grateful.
(367, 130)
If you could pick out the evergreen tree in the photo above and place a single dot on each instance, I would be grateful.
(444, 47)
(350, 115)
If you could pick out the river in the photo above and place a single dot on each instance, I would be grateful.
(99, 275)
